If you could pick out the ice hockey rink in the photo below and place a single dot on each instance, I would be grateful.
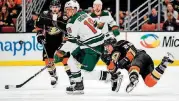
(39, 88)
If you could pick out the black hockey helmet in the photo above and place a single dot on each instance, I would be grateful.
(110, 41)
(55, 3)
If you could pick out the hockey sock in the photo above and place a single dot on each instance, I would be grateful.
(73, 67)
(152, 78)
(52, 68)
(134, 69)
(105, 75)
(67, 70)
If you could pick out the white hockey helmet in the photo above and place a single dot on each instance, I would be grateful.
(72, 3)
(98, 2)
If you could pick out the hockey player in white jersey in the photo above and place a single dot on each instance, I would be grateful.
(82, 28)
(105, 20)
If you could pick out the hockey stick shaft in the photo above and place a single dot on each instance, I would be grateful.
(72, 36)
(53, 20)
(86, 45)
(80, 41)
(20, 85)
(89, 47)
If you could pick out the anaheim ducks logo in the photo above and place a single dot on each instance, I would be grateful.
(115, 56)
(54, 31)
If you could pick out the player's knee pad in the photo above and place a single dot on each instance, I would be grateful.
(150, 81)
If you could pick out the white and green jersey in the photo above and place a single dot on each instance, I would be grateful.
(105, 18)
(82, 25)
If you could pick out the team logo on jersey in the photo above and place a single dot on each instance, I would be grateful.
(150, 41)
(115, 56)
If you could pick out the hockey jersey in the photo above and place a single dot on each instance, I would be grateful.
(107, 19)
(81, 25)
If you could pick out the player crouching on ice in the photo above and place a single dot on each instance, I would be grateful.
(124, 55)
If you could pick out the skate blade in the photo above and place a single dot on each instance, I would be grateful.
(79, 92)
(119, 81)
(130, 88)
(171, 57)
(54, 86)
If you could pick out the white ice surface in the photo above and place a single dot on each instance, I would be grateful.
(39, 89)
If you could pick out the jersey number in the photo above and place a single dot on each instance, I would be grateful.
(90, 24)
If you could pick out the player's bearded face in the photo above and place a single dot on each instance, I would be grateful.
(97, 8)
(109, 48)
(55, 9)
(70, 12)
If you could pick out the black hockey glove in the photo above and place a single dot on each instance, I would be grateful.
(123, 63)
(106, 58)
(40, 38)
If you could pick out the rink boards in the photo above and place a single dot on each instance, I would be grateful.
(22, 49)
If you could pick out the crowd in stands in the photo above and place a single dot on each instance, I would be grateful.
(169, 17)
(9, 10)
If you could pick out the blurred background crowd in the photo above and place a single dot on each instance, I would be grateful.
(168, 14)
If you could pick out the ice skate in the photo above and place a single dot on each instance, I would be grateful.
(116, 81)
(168, 59)
(133, 77)
(75, 88)
(54, 81)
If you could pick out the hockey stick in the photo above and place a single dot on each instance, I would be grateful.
(22, 84)
(70, 35)
(87, 46)
(53, 20)
(78, 40)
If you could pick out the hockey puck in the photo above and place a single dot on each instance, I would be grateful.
(21, 42)
(6, 86)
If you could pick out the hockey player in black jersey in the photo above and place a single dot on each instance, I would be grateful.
(124, 55)
(53, 37)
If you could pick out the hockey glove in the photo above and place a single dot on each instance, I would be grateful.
(106, 58)
(40, 38)
(123, 63)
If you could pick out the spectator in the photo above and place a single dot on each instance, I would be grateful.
(14, 13)
(121, 23)
(32, 23)
(18, 5)
(165, 3)
(12, 8)
(171, 10)
(10, 4)
(5, 18)
(170, 24)
(1, 3)
(176, 5)
(153, 17)
(18, 2)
